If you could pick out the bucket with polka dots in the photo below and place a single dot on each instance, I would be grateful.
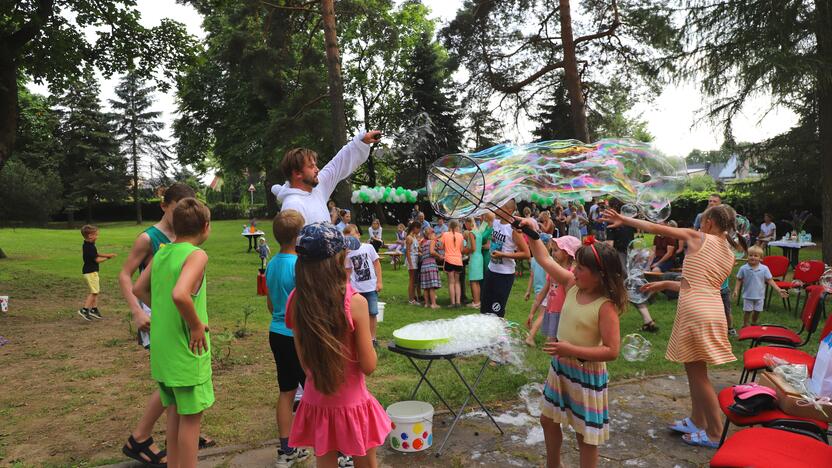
(412, 426)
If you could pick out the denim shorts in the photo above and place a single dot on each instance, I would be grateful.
(372, 302)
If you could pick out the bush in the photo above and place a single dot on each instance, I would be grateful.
(222, 210)
(28, 194)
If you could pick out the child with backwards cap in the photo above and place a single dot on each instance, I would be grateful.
(332, 336)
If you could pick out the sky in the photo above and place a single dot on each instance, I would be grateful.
(671, 117)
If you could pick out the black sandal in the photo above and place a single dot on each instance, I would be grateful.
(135, 450)
(650, 327)
(205, 442)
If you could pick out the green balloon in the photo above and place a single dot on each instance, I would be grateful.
(365, 197)
(399, 190)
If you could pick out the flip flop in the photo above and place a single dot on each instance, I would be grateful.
(699, 439)
(685, 426)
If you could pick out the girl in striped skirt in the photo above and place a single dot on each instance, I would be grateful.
(700, 330)
(588, 336)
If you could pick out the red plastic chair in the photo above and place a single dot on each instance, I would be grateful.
(726, 399)
(806, 274)
(762, 447)
(771, 333)
(753, 359)
(778, 265)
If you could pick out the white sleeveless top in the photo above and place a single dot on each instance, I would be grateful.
(502, 239)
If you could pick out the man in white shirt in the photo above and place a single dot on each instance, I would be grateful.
(307, 189)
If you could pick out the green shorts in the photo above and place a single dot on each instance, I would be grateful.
(188, 400)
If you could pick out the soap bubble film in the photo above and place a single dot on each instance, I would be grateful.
(635, 347)
(476, 334)
(565, 170)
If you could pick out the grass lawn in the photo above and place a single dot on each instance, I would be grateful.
(74, 389)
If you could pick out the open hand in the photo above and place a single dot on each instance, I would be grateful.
(379, 286)
(199, 343)
(527, 296)
(373, 136)
(612, 218)
(783, 293)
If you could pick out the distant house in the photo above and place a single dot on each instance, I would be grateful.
(729, 172)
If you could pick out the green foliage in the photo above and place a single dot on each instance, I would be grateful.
(258, 88)
(701, 183)
(513, 49)
(92, 167)
(59, 50)
(37, 125)
(242, 330)
(433, 129)
(28, 194)
(137, 127)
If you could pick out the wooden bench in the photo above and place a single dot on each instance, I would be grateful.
(395, 256)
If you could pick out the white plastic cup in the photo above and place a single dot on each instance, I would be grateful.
(4, 303)
(380, 316)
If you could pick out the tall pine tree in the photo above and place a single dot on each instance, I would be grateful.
(429, 96)
(92, 167)
(137, 130)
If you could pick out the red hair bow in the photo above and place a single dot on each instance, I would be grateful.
(589, 240)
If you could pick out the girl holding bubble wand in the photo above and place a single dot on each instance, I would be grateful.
(700, 331)
(575, 392)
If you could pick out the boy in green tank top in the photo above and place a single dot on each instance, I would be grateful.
(180, 359)
(140, 445)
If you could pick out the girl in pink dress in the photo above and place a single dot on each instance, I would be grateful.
(332, 337)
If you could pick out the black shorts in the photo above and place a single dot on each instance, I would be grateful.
(450, 268)
(496, 288)
(289, 371)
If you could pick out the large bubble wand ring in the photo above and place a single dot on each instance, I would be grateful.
(456, 188)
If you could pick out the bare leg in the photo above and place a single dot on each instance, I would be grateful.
(645, 313)
(450, 277)
(411, 285)
(755, 317)
(589, 453)
(89, 301)
(475, 291)
(553, 436)
(373, 325)
(172, 445)
(538, 322)
(329, 460)
(152, 412)
(188, 439)
(745, 316)
(702, 391)
(367, 461)
(283, 414)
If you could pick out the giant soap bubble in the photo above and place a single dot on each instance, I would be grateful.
(629, 170)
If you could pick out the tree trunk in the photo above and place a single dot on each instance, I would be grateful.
(136, 183)
(8, 104)
(573, 80)
(336, 93)
(823, 10)
(89, 209)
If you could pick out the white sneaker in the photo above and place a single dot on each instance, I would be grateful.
(345, 461)
(285, 460)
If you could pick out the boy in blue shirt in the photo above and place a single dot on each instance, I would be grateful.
(752, 279)
(280, 280)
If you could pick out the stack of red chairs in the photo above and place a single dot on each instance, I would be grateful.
(807, 273)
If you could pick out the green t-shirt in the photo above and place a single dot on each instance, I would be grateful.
(171, 359)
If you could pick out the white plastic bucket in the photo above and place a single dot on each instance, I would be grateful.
(412, 426)
(380, 316)
(4, 303)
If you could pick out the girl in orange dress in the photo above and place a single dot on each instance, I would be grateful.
(700, 331)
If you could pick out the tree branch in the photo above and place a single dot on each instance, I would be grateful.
(616, 22)
(293, 8)
(28, 31)
(518, 86)
(309, 104)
